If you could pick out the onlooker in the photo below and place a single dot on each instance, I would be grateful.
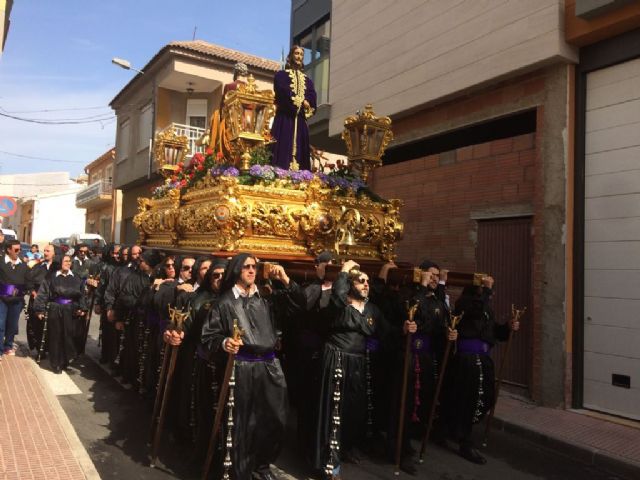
(34, 254)
(13, 285)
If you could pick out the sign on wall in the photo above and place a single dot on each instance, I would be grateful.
(8, 206)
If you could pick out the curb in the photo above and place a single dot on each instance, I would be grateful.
(601, 459)
(78, 450)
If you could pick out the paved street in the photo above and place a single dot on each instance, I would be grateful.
(112, 424)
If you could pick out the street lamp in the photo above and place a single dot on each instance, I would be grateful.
(126, 64)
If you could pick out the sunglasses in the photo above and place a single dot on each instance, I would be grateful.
(15, 249)
(168, 265)
(362, 280)
(186, 268)
(251, 266)
(216, 275)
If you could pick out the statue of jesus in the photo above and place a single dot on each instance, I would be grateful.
(295, 99)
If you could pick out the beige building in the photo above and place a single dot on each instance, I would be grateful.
(515, 153)
(180, 89)
(99, 198)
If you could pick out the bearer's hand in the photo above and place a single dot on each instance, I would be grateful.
(443, 275)
(384, 271)
(111, 315)
(488, 281)
(409, 327)
(119, 326)
(425, 278)
(80, 313)
(452, 335)
(349, 265)
(157, 282)
(173, 337)
(92, 282)
(514, 325)
(230, 345)
(185, 287)
(40, 316)
(33, 294)
(276, 272)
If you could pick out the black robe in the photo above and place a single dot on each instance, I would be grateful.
(34, 325)
(131, 307)
(112, 289)
(62, 324)
(470, 379)
(260, 389)
(346, 349)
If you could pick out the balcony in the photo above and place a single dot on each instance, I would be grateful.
(193, 134)
(98, 194)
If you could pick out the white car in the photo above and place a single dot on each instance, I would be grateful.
(93, 240)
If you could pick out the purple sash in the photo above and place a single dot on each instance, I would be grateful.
(253, 357)
(420, 343)
(473, 346)
(8, 290)
(153, 319)
(373, 344)
(63, 301)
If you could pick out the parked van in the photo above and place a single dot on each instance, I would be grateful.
(93, 240)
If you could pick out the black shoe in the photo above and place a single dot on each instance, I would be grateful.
(471, 454)
(407, 466)
(264, 475)
(351, 457)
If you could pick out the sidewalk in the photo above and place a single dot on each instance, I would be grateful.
(36, 439)
(610, 446)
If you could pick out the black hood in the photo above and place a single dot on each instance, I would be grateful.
(233, 271)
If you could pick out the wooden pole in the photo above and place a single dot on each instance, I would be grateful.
(403, 393)
(436, 396)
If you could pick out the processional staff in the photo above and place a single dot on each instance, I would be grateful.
(405, 380)
(453, 323)
(227, 387)
(516, 314)
(177, 318)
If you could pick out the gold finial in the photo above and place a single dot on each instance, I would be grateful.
(516, 314)
(237, 331)
(177, 318)
(455, 319)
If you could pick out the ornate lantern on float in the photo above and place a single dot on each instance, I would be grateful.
(247, 114)
(170, 149)
(366, 136)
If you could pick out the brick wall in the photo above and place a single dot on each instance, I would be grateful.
(441, 191)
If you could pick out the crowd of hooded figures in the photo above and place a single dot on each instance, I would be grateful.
(183, 329)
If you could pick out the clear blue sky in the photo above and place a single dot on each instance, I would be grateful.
(58, 56)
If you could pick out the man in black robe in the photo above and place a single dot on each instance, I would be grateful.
(37, 274)
(470, 383)
(109, 263)
(430, 333)
(113, 330)
(63, 292)
(259, 415)
(344, 397)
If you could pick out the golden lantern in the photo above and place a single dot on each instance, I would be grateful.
(170, 149)
(366, 136)
(247, 114)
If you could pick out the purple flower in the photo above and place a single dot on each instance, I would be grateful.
(232, 172)
(281, 173)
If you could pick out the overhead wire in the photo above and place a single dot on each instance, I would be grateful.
(30, 157)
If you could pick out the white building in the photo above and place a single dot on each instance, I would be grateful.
(46, 205)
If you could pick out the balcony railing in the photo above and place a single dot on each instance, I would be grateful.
(97, 190)
(192, 133)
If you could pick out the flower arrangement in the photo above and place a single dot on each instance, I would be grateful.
(341, 181)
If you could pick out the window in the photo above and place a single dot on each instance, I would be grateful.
(123, 142)
(196, 112)
(144, 132)
(315, 43)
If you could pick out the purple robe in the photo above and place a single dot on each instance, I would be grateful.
(283, 123)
